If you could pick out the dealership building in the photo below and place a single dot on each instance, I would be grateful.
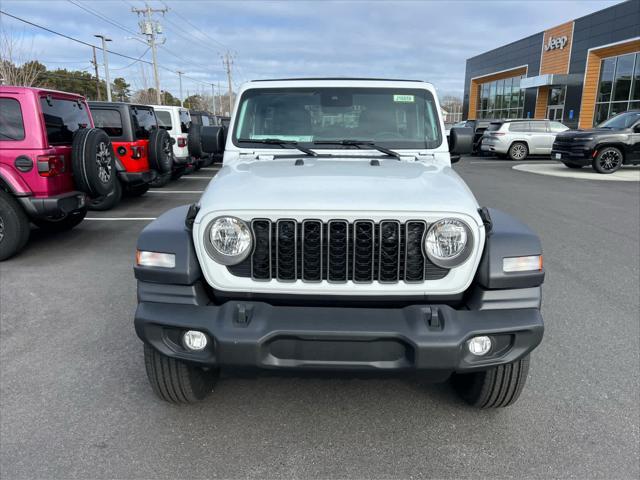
(580, 72)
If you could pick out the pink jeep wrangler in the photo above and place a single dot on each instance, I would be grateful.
(51, 159)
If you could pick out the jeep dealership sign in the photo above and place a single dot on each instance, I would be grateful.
(557, 42)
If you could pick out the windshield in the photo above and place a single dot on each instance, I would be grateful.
(624, 120)
(394, 118)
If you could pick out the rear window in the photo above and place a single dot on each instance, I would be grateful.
(108, 120)
(494, 126)
(144, 122)
(11, 124)
(62, 118)
(164, 119)
(185, 121)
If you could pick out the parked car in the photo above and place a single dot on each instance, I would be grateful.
(51, 160)
(607, 147)
(478, 126)
(143, 150)
(517, 139)
(199, 118)
(337, 236)
(176, 121)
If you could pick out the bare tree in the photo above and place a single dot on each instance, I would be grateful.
(16, 60)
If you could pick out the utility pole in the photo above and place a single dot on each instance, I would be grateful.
(181, 99)
(106, 63)
(213, 100)
(95, 66)
(219, 100)
(151, 29)
(227, 61)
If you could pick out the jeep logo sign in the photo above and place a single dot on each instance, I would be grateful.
(553, 43)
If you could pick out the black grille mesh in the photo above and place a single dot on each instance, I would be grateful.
(337, 251)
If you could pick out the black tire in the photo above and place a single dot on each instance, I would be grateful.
(194, 144)
(495, 388)
(106, 202)
(161, 180)
(55, 225)
(572, 165)
(160, 151)
(137, 190)
(608, 160)
(518, 151)
(14, 226)
(93, 162)
(175, 381)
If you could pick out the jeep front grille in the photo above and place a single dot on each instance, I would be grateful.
(338, 251)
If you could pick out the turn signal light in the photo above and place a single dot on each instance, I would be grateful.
(531, 263)
(155, 259)
(50, 165)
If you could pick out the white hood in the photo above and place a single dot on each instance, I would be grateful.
(337, 184)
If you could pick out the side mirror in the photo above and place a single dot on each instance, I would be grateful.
(212, 140)
(460, 142)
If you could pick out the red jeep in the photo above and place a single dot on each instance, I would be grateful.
(51, 159)
(143, 150)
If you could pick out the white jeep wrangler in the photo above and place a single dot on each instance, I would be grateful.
(337, 236)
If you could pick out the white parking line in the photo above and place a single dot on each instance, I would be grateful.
(507, 162)
(175, 191)
(116, 219)
(211, 169)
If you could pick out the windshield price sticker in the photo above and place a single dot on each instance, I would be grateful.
(404, 98)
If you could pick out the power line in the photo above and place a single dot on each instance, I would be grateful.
(134, 62)
(197, 29)
(99, 15)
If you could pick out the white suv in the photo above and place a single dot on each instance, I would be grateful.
(176, 120)
(337, 236)
(518, 139)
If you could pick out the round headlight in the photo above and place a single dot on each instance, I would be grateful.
(228, 240)
(448, 242)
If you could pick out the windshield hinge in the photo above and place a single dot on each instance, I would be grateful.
(263, 156)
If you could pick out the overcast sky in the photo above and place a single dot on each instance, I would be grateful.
(428, 40)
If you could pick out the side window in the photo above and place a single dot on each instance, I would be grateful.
(164, 119)
(108, 120)
(205, 121)
(519, 127)
(557, 127)
(62, 118)
(11, 124)
(538, 126)
(185, 121)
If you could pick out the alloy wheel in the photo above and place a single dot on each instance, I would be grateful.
(103, 161)
(518, 151)
(609, 160)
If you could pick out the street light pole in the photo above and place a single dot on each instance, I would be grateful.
(106, 63)
(180, 77)
(213, 100)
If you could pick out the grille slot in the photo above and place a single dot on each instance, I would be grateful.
(286, 250)
(312, 250)
(338, 251)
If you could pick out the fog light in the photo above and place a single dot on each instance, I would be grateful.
(479, 345)
(194, 340)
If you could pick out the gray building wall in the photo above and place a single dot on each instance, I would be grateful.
(614, 24)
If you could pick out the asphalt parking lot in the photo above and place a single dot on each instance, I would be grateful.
(75, 402)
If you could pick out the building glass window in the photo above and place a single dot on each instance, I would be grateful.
(619, 86)
(501, 99)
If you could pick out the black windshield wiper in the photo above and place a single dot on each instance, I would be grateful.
(282, 143)
(358, 144)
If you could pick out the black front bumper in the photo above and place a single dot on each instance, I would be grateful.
(54, 206)
(137, 178)
(429, 338)
(579, 156)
